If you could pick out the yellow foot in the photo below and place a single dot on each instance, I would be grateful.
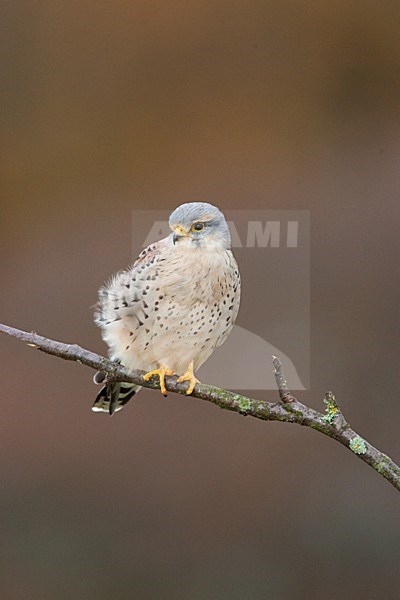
(189, 376)
(162, 372)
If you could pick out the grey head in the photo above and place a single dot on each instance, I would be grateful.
(199, 225)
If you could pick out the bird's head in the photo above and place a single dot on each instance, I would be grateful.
(199, 225)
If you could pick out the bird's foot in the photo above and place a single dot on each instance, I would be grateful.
(161, 373)
(189, 376)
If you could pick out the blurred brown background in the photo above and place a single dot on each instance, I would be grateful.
(112, 106)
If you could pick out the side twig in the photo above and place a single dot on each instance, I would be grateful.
(288, 409)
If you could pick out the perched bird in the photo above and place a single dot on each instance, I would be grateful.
(169, 311)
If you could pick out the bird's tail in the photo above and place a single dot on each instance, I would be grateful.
(114, 395)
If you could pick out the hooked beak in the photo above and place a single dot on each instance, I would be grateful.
(179, 233)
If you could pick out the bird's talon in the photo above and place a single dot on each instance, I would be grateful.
(189, 376)
(161, 373)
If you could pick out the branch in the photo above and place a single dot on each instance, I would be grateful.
(288, 409)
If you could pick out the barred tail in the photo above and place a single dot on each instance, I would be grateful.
(114, 396)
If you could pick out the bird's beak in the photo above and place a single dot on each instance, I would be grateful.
(179, 233)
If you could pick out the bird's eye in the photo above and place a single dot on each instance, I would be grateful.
(198, 227)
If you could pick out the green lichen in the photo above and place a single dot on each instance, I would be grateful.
(244, 404)
(332, 410)
(293, 411)
(382, 467)
(386, 465)
(357, 445)
(318, 427)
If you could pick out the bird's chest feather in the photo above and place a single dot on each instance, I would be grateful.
(196, 312)
(199, 277)
(203, 300)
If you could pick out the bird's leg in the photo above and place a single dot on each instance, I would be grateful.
(161, 372)
(189, 376)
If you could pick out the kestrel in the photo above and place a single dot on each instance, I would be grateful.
(168, 312)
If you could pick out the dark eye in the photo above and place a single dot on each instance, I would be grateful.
(198, 227)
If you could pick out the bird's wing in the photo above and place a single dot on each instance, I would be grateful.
(124, 296)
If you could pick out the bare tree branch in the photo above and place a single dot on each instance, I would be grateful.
(288, 409)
